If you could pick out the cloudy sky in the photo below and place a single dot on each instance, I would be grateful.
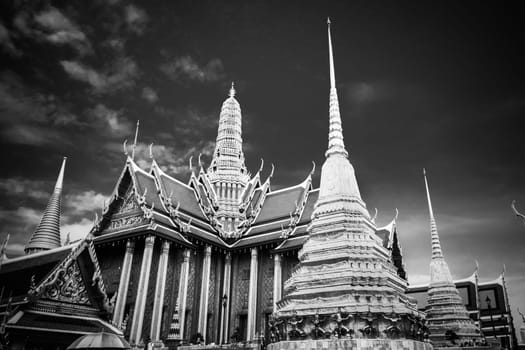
(439, 86)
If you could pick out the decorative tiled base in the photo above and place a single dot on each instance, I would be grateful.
(344, 344)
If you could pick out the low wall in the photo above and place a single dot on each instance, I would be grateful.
(357, 344)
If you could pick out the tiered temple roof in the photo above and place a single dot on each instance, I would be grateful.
(223, 206)
(446, 311)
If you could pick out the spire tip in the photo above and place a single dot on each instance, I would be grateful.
(328, 20)
(232, 90)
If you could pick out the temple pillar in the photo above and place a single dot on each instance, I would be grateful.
(223, 335)
(122, 293)
(277, 280)
(140, 301)
(183, 291)
(158, 301)
(205, 286)
(252, 296)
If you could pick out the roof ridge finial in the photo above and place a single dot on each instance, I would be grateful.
(135, 141)
(3, 249)
(232, 90)
(436, 245)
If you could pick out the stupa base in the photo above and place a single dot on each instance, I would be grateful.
(357, 344)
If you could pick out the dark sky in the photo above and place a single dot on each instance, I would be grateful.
(437, 85)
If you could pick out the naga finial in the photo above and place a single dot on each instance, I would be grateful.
(518, 214)
(200, 162)
(262, 165)
(397, 214)
(191, 165)
(521, 314)
(151, 150)
(271, 172)
(313, 168)
(135, 141)
(125, 147)
(375, 216)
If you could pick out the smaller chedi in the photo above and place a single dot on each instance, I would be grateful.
(346, 285)
(448, 319)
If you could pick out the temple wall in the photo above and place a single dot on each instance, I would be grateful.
(172, 288)
(148, 311)
(110, 259)
(192, 313)
(239, 294)
(196, 277)
(133, 284)
(214, 297)
(264, 290)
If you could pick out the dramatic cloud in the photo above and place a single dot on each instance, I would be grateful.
(186, 67)
(87, 201)
(52, 26)
(110, 120)
(175, 161)
(6, 43)
(149, 95)
(30, 117)
(25, 188)
(136, 19)
(76, 230)
(121, 75)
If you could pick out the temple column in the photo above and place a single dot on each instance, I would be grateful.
(205, 286)
(252, 296)
(140, 301)
(223, 335)
(277, 280)
(158, 301)
(183, 291)
(122, 293)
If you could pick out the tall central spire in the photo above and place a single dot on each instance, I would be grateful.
(227, 172)
(47, 233)
(343, 261)
(338, 182)
(336, 143)
(437, 253)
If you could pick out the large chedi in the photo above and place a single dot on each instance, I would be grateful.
(346, 283)
(448, 320)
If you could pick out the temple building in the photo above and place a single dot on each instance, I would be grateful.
(448, 320)
(222, 257)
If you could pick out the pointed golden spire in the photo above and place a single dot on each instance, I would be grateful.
(336, 143)
(47, 233)
(437, 252)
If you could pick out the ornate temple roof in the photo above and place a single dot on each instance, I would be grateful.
(47, 233)
(48, 286)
